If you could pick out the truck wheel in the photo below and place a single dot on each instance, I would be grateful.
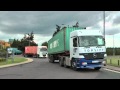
(97, 68)
(65, 64)
(74, 66)
(37, 56)
(61, 64)
(25, 55)
(51, 59)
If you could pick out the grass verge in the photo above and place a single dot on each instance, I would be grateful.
(113, 60)
(16, 60)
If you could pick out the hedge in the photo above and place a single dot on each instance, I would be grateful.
(3, 54)
(110, 51)
(2, 59)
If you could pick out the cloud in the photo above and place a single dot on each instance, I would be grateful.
(117, 20)
(113, 30)
(14, 24)
(44, 22)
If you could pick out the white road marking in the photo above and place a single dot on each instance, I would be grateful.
(111, 70)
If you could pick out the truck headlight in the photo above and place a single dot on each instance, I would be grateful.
(105, 55)
(84, 63)
(104, 63)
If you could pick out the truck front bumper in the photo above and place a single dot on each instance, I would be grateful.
(91, 67)
(82, 63)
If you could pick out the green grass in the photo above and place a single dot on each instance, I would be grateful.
(114, 60)
(16, 60)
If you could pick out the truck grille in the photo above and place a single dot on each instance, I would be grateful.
(94, 56)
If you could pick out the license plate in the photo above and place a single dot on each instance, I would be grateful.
(95, 61)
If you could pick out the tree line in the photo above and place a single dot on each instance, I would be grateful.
(110, 51)
(27, 40)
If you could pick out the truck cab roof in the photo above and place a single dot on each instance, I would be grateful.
(87, 32)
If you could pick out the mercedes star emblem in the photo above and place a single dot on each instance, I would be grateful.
(94, 55)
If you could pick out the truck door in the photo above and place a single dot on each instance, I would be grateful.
(75, 47)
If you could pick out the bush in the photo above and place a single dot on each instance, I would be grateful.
(2, 59)
(3, 53)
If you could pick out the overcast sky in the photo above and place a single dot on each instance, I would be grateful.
(14, 24)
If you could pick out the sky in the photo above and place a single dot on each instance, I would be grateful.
(14, 24)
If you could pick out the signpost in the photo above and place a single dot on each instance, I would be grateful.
(13, 56)
(6, 55)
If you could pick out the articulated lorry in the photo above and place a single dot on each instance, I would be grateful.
(36, 51)
(78, 48)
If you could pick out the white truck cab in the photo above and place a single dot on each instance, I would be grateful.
(87, 49)
(42, 51)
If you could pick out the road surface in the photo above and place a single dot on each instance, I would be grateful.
(42, 69)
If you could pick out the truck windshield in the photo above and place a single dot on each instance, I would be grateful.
(85, 41)
(43, 49)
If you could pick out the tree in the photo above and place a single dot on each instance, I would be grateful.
(45, 44)
(27, 40)
(15, 43)
(76, 25)
(57, 30)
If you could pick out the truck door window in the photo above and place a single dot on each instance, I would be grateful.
(75, 42)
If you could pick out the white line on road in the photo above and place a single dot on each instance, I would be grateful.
(111, 70)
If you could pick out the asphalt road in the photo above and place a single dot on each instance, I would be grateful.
(42, 69)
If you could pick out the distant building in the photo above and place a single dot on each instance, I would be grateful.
(4, 44)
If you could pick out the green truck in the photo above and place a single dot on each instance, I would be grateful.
(66, 46)
(60, 42)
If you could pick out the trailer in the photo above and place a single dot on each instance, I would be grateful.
(36, 51)
(78, 48)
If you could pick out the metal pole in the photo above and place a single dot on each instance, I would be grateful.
(6, 55)
(104, 23)
(113, 46)
(12, 57)
(29, 42)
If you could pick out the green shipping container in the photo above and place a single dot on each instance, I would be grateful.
(60, 42)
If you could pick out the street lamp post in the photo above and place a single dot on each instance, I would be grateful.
(104, 23)
(29, 42)
(113, 46)
(28, 38)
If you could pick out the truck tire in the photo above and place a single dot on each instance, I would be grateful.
(97, 68)
(37, 56)
(25, 55)
(61, 62)
(64, 61)
(51, 59)
(73, 65)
